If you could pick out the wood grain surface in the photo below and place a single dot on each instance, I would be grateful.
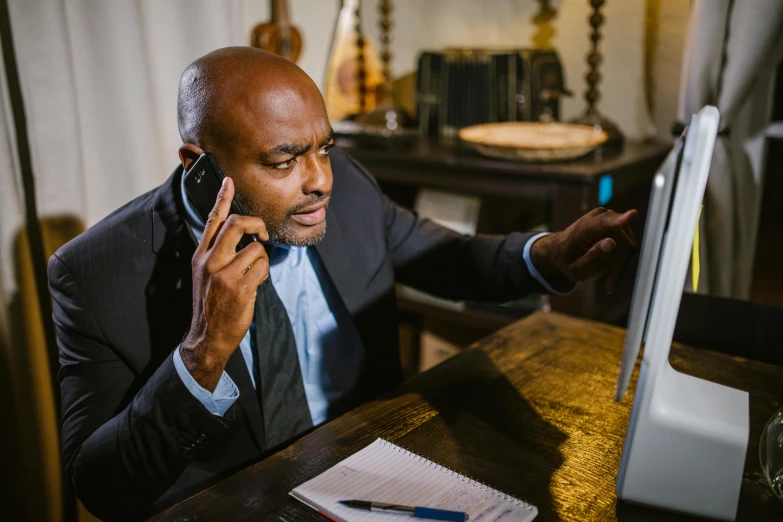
(528, 410)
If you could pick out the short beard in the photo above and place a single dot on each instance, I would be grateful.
(284, 235)
(281, 233)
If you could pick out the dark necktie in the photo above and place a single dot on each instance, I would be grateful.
(279, 384)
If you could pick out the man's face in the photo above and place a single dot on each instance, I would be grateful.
(277, 153)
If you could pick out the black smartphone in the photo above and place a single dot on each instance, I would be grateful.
(202, 183)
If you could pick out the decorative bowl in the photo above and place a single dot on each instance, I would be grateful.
(531, 141)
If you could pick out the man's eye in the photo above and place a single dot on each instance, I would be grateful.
(284, 165)
(326, 149)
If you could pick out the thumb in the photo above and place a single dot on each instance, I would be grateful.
(588, 263)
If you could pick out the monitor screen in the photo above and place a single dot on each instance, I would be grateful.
(658, 213)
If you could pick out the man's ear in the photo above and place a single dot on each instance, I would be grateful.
(188, 154)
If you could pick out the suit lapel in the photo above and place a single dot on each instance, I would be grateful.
(338, 261)
(167, 222)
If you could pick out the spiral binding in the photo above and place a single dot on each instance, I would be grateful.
(469, 480)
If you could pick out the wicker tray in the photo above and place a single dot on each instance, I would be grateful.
(530, 141)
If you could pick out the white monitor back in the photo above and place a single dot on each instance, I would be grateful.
(687, 438)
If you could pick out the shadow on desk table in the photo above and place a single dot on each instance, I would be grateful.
(486, 430)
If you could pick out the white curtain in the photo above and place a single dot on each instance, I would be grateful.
(731, 52)
(99, 80)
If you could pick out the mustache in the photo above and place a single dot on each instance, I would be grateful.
(311, 202)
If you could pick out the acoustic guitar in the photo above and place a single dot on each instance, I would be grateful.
(345, 94)
(278, 36)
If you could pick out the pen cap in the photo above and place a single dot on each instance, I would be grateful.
(439, 514)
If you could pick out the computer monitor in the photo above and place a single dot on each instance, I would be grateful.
(649, 263)
(687, 438)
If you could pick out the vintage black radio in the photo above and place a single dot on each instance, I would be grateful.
(461, 87)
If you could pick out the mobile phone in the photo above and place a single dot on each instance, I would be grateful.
(202, 184)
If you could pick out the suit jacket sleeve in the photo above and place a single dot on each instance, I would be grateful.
(122, 446)
(437, 260)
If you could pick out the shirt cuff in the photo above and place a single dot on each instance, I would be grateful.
(217, 402)
(536, 274)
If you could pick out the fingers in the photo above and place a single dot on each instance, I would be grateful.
(618, 265)
(218, 214)
(589, 263)
(258, 273)
(611, 223)
(246, 271)
(250, 267)
(251, 264)
(234, 228)
(602, 269)
(627, 245)
(601, 223)
(624, 235)
(624, 219)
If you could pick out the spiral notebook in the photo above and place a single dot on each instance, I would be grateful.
(385, 472)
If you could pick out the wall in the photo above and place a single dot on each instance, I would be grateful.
(433, 24)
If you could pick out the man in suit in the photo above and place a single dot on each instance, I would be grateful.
(184, 360)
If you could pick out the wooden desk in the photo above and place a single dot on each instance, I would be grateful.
(557, 193)
(529, 411)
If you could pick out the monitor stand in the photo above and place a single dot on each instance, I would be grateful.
(687, 449)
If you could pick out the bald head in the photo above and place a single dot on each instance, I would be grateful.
(214, 88)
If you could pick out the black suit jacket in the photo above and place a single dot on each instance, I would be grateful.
(134, 440)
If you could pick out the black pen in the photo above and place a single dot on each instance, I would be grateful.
(417, 512)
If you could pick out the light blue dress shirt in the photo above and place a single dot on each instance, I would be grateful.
(331, 354)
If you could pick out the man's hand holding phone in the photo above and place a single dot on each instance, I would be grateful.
(224, 289)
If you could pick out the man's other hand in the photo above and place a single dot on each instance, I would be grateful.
(598, 244)
(224, 289)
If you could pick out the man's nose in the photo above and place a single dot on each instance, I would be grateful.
(318, 178)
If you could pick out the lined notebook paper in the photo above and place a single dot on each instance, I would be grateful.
(385, 472)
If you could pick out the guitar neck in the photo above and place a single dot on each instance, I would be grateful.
(280, 13)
